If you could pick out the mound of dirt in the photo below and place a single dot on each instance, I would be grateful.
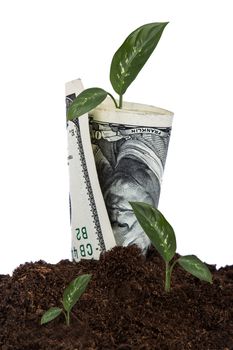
(124, 307)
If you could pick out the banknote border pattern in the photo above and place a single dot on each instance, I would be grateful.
(88, 187)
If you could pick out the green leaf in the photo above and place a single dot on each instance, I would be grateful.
(50, 314)
(196, 267)
(157, 229)
(133, 54)
(85, 102)
(74, 291)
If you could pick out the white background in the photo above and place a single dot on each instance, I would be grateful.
(46, 43)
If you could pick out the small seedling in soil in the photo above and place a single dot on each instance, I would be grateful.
(163, 239)
(127, 62)
(70, 297)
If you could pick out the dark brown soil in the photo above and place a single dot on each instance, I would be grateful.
(124, 307)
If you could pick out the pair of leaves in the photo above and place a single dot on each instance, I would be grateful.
(126, 64)
(163, 238)
(70, 297)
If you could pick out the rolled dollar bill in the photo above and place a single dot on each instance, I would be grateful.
(115, 156)
(90, 225)
(130, 148)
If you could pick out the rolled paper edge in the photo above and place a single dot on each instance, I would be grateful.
(134, 114)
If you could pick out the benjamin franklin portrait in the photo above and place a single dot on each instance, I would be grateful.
(130, 168)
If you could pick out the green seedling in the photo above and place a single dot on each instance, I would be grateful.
(163, 238)
(70, 297)
(126, 64)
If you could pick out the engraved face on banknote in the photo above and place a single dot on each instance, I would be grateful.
(130, 162)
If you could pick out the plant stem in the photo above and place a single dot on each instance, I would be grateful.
(171, 268)
(120, 101)
(115, 102)
(168, 275)
(68, 318)
(167, 278)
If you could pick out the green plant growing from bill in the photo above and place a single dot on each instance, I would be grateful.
(70, 297)
(163, 238)
(126, 63)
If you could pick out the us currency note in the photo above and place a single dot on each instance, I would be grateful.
(130, 155)
(90, 225)
(115, 157)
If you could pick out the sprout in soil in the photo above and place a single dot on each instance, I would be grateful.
(163, 239)
(126, 64)
(70, 297)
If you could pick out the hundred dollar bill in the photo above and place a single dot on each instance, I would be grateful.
(130, 149)
(90, 225)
